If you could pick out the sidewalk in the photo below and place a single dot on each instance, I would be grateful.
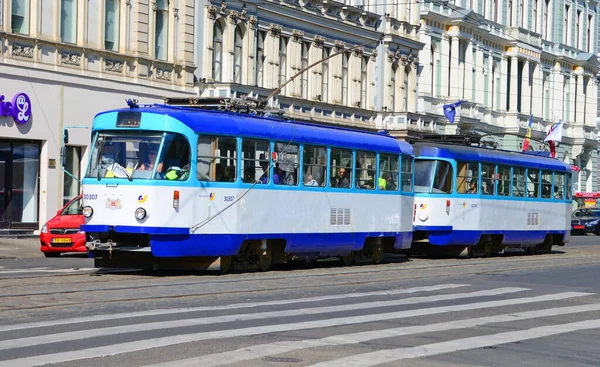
(20, 248)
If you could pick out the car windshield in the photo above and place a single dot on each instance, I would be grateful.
(139, 155)
(74, 208)
(586, 213)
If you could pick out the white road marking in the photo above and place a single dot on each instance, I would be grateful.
(392, 355)
(128, 315)
(120, 348)
(124, 329)
(264, 350)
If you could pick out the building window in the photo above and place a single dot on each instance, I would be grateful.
(578, 36)
(345, 57)
(325, 81)
(407, 72)
(217, 51)
(522, 14)
(20, 16)
(589, 34)
(566, 26)
(510, 13)
(237, 55)
(282, 60)
(363, 82)
(111, 25)
(392, 86)
(260, 57)
(162, 29)
(68, 21)
(25, 176)
(535, 16)
(546, 20)
(304, 65)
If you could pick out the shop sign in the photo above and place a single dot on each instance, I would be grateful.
(19, 109)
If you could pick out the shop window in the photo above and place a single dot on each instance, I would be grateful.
(25, 174)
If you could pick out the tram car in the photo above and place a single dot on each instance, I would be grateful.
(211, 188)
(484, 200)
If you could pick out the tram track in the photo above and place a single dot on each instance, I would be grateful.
(256, 283)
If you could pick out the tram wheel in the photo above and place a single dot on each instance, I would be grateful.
(531, 250)
(376, 253)
(482, 249)
(265, 260)
(226, 264)
(349, 259)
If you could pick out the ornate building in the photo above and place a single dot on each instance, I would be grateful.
(66, 60)
(509, 60)
(253, 48)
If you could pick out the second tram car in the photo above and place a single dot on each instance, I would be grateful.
(175, 187)
(486, 200)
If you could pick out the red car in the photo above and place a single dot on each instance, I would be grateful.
(61, 233)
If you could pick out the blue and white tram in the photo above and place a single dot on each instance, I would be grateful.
(488, 200)
(174, 187)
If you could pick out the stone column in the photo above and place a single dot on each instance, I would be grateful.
(514, 66)
(525, 89)
(454, 68)
(469, 65)
(556, 92)
(503, 83)
(536, 93)
(445, 59)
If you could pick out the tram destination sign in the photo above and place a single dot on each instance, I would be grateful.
(19, 109)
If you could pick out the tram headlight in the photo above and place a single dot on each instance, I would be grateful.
(140, 213)
(87, 211)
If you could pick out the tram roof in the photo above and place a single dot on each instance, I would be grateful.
(242, 125)
(486, 155)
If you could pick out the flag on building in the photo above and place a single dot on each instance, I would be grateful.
(528, 135)
(450, 110)
(554, 134)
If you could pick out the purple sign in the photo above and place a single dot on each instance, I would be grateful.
(19, 109)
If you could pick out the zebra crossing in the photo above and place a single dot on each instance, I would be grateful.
(346, 320)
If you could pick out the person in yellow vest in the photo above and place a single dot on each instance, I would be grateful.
(383, 181)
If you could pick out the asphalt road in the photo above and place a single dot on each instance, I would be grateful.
(509, 310)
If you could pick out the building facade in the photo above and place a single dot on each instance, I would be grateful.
(511, 60)
(63, 61)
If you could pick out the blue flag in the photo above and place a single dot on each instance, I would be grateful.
(450, 110)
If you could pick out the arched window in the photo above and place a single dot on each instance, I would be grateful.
(237, 54)
(217, 51)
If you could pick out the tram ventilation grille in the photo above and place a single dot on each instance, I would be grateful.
(339, 216)
(533, 219)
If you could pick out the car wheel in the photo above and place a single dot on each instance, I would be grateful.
(52, 254)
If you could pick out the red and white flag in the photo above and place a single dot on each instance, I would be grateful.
(554, 134)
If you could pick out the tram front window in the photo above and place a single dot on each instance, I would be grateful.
(159, 156)
(433, 177)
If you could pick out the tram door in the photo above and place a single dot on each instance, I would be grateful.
(5, 184)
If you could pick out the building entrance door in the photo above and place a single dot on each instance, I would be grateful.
(5, 185)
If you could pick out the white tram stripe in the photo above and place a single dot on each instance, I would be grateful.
(211, 320)
(427, 350)
(126, 315)
(128, 347)
(264, 350)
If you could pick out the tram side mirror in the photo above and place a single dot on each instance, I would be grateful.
(66, 136)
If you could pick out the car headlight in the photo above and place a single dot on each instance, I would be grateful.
(593, 223)
(44, 229)
(87, 211)
(140, 213)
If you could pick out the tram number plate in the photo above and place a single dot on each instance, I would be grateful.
(578, 227)
(61, 240)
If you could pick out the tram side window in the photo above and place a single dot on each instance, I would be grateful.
(286, 168)
(407, 172)
(389, 171)
(176, 161)
(503, 180)
(559, 185)
(546, 184)
(467, 177)
(365, 170)
(217, 159)
(341, 168)
(533, 183)
(488, 178)
(314, 165)
(569, 187)
(442, 179)
(255, 161)
(519, 182)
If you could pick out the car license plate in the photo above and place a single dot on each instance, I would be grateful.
(578, 227)
(61, 240)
